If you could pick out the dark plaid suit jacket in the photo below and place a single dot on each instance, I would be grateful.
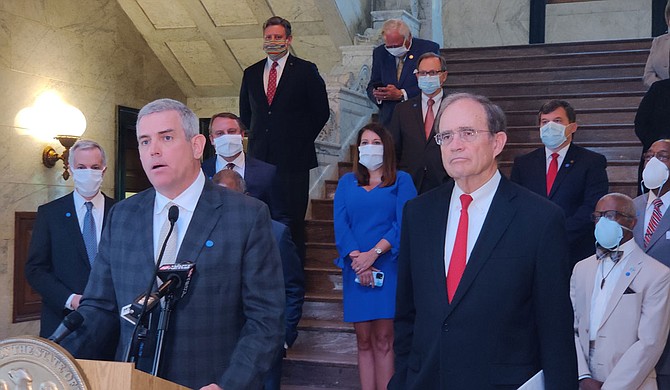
(228, 327)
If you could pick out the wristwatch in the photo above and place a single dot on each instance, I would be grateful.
(378, 251)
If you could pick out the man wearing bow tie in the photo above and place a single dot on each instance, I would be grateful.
(569, 175)
(621, 304)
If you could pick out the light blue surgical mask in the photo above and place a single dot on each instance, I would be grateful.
(371, 156)
(552, 134)
(429, 84)
(609, 233)
(397, 51)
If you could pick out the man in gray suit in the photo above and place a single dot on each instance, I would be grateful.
(652, 232)
(225, 332)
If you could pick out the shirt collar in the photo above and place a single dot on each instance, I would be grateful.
(187, 200)
(280, 62)
(98, 200)
(437, 98)
(239, 160)
(482, 194)
(652, 197)
(561, 153)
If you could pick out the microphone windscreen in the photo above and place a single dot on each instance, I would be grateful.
(73, 320)
(173, 214)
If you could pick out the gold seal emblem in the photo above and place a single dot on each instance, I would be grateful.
(29, 362)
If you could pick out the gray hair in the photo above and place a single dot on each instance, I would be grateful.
(189, 121)
(627, 202)
(495, 117)
(84, 144)
(396, 24)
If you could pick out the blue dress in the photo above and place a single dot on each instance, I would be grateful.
(363, 218)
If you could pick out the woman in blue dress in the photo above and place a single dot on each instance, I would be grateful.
(368, 212)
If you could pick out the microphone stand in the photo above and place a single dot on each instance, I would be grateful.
(138, 336)
(163, 322)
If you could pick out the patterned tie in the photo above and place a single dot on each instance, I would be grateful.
(272, 82)
(653, 222)
(170, 254)
(460, 252)
(430, 118)
(89, 233)
(602, 253)
(401, 64)
(230, 166)
(551, 173)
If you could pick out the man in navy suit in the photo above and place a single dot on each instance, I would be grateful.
(483, 280)
(226, 132)
(652, 231)
(294, 280)
(393, 63)
(573, 177)
(412, 126)
(226, 331)
(284, 105)
(59, 259)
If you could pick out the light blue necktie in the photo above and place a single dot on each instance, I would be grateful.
(90, 239)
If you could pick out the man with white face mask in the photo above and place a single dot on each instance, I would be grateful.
(569, 175)
(621, 302)
(226, 133)
(652, 233)
(411, 126)
(66, 235)
(391, 79)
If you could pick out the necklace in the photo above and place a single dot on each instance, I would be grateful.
(602, 271)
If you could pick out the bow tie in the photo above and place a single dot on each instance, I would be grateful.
(601, 253)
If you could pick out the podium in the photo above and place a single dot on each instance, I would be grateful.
(102, 375)
(32, 362)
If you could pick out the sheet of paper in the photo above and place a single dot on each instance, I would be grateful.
(534, 383)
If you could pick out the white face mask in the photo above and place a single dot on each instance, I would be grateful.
(655, 174)
(228, 145)
(371, 156)
(609, 233)
(87, 182)
(398, 51)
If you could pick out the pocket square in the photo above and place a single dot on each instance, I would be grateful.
(629, 291)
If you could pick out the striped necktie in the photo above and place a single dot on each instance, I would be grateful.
(653, 222)
(89, 233)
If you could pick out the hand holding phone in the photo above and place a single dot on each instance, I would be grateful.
(377, 278)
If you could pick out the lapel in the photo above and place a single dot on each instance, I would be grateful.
(145, 213)
(537, 171)
(497, 221)
(285, 80)
(638, 230)
(417, 117)
(256, 82)
(73, 229)
(205, 217)
(565, 169)
(437, 220)
(109, 202)
(588, 276)
(661, 229)
(627, 276)
(408, 65)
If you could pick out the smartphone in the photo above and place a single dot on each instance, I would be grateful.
(377, 277)
(378, 84)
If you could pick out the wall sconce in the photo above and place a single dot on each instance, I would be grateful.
(49, 155)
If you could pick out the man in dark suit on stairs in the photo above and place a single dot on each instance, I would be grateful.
(284, 105)
(412, 126)
(571, 176)
(66, 236)
(226, 132)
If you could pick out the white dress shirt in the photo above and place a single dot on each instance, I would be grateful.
(186, 201)
(479, 207)
(650, 207)
(561, 156)
(611, 271)
(281, 64)
(239, 163)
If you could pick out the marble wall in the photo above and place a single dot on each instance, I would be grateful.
(91, 54)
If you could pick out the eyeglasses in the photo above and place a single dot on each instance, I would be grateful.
(608, 214)
(428, 73)
(465, 134)
(661, 156)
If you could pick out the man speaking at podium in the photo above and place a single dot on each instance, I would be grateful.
(225, 332)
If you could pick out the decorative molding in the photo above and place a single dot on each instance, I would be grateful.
(27, 302)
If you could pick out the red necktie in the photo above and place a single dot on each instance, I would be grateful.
(553, 170)
(653, 222)
(272, 82)
(460, 252)
(430, 118)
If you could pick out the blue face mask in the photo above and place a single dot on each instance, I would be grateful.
(429, 84)
(552, 135)
(608, 233)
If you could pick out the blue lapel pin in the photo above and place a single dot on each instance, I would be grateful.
(68, 214)
(209, 243)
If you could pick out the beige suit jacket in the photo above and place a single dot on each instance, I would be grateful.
(657, 62)
(635, 324)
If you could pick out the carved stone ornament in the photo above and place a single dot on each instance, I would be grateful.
(33, 363)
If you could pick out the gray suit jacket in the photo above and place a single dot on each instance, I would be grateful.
(659, 249)
(229, 326)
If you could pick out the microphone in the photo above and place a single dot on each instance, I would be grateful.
(173, 216)
(176, 279)
(71, 322)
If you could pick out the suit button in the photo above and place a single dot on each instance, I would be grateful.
(269, 112)
(445, 327)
